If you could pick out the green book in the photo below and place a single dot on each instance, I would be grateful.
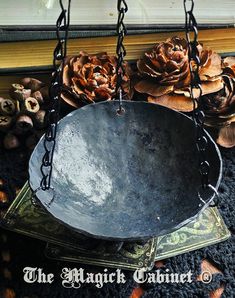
(65, 244)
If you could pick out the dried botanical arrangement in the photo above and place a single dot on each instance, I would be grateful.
(22, 123)
(23, 114)
(92, 78)
(164, 77)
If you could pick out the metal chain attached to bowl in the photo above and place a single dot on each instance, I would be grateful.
(120, 51)
(60, 52)
(62, 26)
(195, 94)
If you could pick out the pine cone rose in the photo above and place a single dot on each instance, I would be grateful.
(219, 107)
(92, 78)
(220, 104)
(165, 74)
(164, 68)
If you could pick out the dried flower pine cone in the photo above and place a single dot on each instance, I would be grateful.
(165, 74)
(164, 69)
(92, 78)
(23, 114)
(164, 77)
(219, 107)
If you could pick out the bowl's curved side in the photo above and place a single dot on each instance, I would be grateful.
(150, 192)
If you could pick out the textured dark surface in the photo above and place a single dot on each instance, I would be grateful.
(29, 252)
(124, 177)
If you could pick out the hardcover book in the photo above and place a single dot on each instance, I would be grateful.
(64, 244)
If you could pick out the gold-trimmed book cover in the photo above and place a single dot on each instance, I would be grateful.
(208, 229)
(64, 244)
(26, 218)
(131, 256)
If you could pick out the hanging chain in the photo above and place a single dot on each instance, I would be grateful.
(120, 50)
(196, 93)
(62, 26)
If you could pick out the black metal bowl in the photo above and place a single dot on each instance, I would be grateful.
(125, 177)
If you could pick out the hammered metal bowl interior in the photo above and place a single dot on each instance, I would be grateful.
(125, 177)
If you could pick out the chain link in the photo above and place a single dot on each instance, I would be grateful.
(196, 90)
(59, 54)
(62, 26)
(120, 50)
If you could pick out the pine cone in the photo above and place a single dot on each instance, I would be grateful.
(164, 68)
(219, 107)
(166, 76)
(92, 78)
